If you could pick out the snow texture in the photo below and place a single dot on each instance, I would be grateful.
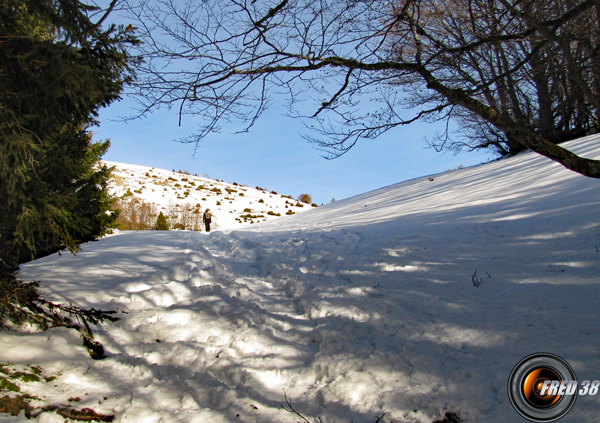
(365, 306)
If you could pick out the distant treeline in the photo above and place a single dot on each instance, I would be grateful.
(138, 215)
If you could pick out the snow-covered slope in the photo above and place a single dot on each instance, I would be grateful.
(175, 193)
(412, 300)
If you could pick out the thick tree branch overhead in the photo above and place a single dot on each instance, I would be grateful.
(515, 74)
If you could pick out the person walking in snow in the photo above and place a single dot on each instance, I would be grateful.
(207, 218)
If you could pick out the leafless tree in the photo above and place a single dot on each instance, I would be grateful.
(549, 86)
(516, 73)
(135, 214)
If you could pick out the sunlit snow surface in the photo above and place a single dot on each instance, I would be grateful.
(362, 307)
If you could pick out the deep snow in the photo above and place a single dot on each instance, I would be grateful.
(362, 307)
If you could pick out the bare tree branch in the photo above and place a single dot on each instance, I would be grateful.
(515, 74)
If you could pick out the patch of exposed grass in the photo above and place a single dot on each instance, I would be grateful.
(13, 402)
(14, 406)
(7, 385)
(26, 377)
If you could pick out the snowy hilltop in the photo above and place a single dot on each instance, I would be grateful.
(398, 305)
(143, 192)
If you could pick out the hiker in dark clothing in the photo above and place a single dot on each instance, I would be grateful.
(207, 218)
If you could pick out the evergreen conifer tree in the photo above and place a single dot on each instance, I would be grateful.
(161, 223)
(57, 69)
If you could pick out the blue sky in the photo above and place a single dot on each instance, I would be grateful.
(273, 155)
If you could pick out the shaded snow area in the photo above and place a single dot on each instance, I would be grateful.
(412, 300)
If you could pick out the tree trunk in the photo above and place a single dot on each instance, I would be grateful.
(523, 135)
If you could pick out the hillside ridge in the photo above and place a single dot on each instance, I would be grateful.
(142, 192)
